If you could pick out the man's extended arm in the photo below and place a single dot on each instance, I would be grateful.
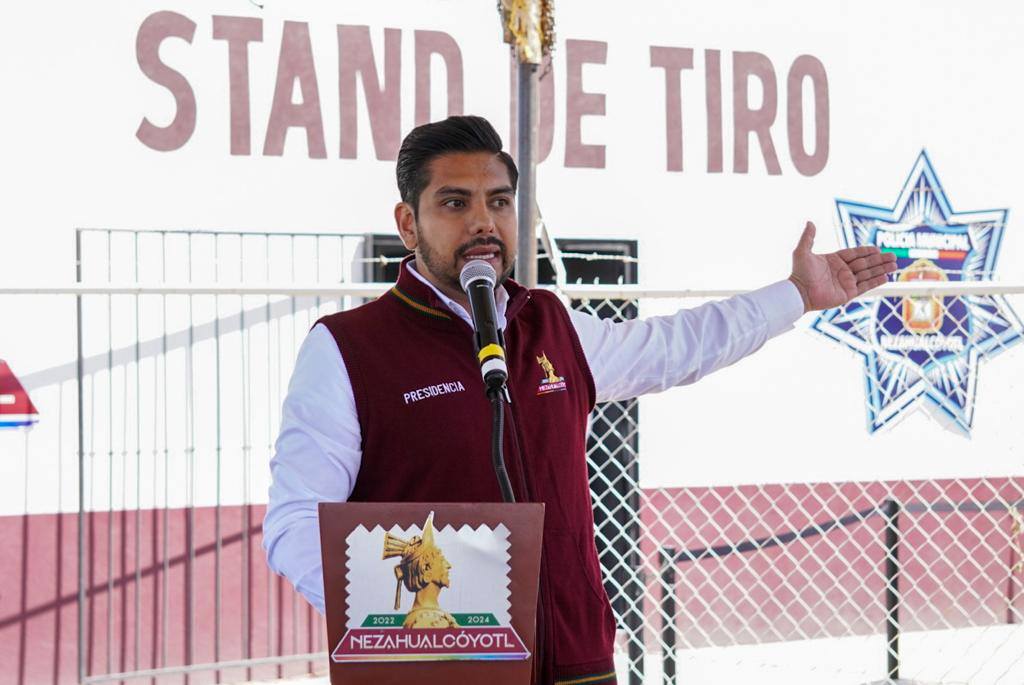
(640, 356)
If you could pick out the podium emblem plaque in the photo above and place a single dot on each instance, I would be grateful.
(446, 589)
(449, 589)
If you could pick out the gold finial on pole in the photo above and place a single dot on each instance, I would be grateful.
(529, 26)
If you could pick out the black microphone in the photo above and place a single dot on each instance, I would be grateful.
(478, 279)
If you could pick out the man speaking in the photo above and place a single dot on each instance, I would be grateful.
(386, 402)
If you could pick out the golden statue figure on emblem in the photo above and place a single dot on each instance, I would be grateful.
(549, 368)
(423, 569)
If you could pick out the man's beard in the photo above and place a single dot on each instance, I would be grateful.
(444, 269)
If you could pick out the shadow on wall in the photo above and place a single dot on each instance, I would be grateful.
(155, 347)
(151, 600)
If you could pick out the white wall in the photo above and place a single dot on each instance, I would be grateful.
(902, 77)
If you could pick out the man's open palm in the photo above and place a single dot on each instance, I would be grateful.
(831, 280)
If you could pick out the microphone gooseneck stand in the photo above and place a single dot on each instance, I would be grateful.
(495, 394)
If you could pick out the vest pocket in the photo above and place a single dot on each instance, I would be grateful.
(591, 566)
(584, 627)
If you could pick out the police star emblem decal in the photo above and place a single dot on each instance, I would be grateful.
(923, 352)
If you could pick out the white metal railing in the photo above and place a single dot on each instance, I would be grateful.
(573, 291)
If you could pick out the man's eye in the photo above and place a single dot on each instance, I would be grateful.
(502, 202)
(454, 203)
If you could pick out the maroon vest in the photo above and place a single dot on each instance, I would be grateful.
(426, 424)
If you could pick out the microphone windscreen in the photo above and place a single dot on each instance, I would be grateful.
(475, 270)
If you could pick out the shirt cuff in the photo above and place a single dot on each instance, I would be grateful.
(781, 305)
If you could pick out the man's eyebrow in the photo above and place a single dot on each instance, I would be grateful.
(452, 190)
(465, 192)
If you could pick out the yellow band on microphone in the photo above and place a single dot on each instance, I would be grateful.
(488, 351)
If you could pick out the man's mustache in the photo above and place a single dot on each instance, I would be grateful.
(496, 242)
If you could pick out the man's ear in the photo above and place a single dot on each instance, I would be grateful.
(405, 222)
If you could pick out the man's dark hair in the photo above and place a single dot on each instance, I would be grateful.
(454, 134)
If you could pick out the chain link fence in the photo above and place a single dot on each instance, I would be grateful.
(830, 582)
(182, 370)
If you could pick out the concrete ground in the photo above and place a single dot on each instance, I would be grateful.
(971, 656)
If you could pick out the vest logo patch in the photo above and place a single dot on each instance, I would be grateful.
(551, 382)
(433, 391)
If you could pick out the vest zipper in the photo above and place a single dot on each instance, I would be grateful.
(511, 422)
(542, 585)
(524, 479)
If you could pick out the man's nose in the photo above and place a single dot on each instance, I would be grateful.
(481, 221)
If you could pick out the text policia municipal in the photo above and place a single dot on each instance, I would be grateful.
(779, 105)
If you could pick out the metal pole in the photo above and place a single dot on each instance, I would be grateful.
(79, 371)
(668, 613)
(892, 597)
(218, 452)
(138, 463)
(526, 259)
(634, 618)
(110, 462)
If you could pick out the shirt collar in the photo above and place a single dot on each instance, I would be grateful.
(500, 298)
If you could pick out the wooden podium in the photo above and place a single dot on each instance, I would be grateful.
(464, 581)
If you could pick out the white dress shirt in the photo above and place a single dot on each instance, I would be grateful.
(317, 454)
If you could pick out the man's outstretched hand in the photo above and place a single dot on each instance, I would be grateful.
(830, 280)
